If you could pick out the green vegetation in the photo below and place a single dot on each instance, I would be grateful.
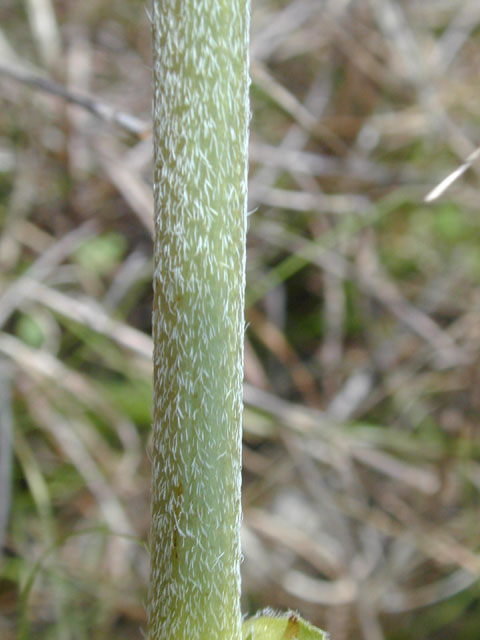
(360, 455)
(201, 113)
(286, 627)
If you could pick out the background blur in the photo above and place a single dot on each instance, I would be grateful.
(361, 456)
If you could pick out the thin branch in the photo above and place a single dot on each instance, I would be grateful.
(105, 112)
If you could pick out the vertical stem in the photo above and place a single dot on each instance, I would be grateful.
(200, 111)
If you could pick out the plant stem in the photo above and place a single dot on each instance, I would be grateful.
(201, 112)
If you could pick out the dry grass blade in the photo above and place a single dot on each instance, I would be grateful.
(111, 509)
(330, 593)
(44, 367)
(287, 101)
(361, 479)
(43, 23)
(447, 182)
(13, 295)
(6, 434)
(94, 317)
(99, 109)
(130, 184)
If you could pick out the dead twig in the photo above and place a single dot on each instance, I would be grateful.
(105, 112)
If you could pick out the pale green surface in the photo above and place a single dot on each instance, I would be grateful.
(200, 71)
(285, 627)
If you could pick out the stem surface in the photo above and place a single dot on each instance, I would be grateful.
(201, 113)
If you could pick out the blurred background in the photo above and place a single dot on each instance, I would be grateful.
(362, 393)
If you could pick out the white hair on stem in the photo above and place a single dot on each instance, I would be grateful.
(201, 113)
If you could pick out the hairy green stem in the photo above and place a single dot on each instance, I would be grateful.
(201, 113)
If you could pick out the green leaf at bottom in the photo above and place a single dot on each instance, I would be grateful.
(287, 626)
